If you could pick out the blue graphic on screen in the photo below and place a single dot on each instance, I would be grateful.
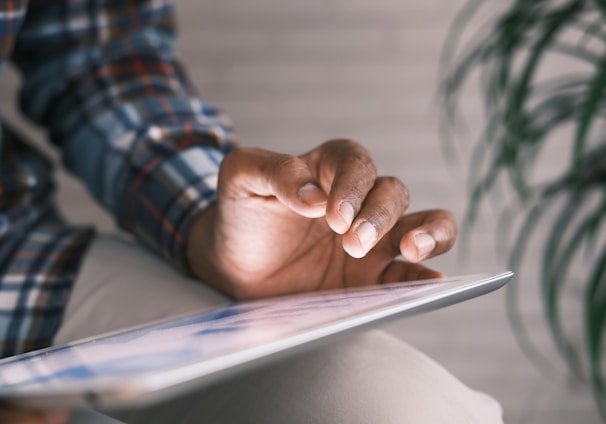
(201, 337)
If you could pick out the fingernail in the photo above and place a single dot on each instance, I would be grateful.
(346, 210)
(425, 244)
(311, 194)
(367, 234)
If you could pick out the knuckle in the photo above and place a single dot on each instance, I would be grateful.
(354, 154)
(398, 191)
(395, 184)
(361, 159)
(383, 217)
(405, 191)
(285, 163)
(342, 144)
(449, 216)
(282, 169)
(446, 216)
(352, 191)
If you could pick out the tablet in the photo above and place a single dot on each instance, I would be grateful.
(156, 362)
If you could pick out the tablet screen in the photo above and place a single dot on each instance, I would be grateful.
(213, 340)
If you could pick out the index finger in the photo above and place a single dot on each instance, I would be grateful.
(346, 171)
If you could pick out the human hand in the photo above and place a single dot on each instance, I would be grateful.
(10, 415)
(285, 224)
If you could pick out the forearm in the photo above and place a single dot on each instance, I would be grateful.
(119, 104)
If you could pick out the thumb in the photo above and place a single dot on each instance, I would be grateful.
(252, 172)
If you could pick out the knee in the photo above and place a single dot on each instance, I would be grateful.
(369, 378)
(376, 378)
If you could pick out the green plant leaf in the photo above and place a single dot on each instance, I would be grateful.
(514, 313)
(595, 95)
(601, 4)
(558, 257)
(524, 111)
(514, 115)
(455, 32)
(592, 30)
(595, 313)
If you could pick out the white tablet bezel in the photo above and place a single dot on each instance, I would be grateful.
(158, 385)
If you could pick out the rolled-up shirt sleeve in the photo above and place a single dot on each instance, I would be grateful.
(103, 78)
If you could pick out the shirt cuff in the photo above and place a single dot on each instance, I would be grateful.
(164, 201)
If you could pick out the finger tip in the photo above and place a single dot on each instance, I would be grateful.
(408, 257)
(313, 212)
(337, 225)
(357, 255)
(339, 222)
(312, 195)
(425, 244)
(409, 252)
(353, 249)
(417, 247)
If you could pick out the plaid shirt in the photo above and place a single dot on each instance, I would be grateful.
(102, 77)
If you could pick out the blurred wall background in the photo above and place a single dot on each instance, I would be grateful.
(295, 73)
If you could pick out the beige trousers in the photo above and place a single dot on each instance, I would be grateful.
(370, 378)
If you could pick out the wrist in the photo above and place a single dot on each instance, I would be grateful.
(200, 250)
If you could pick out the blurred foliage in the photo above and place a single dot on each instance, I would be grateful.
(529, 103)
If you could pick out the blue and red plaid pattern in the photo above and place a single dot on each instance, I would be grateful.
(103, 78)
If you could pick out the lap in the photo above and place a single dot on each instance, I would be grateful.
(371, 377)
(121, 285)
